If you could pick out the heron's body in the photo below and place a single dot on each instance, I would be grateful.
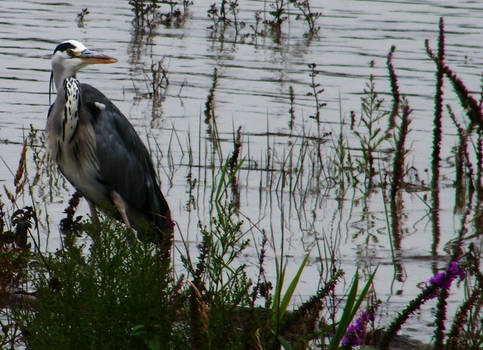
(100, 153)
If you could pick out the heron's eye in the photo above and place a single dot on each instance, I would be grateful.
(71, 52)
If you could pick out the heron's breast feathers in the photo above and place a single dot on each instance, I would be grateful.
(72, 139)
(70, 122)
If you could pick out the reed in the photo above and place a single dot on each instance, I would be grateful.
(81, 16)
(308, 15)
(370, 135)
(278, 17)
(461, 318)
(148, 14)
(397, 176)
(437, 138)
(396, 96)
(19, 180)
(479, 184)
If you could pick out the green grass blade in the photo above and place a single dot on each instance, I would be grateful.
(291, 289)
(276, 298)
(347, 314)
(363, 293)
(280, 304)
(350, 309)
(221, 183)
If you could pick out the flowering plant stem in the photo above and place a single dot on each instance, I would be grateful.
(395, 326)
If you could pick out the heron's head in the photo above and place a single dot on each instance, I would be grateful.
(71, 55)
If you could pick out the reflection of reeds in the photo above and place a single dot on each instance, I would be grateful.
(210, 101)
(463, 167)
(140, 9)
(159, 80)
(158, 86)
(437, 136)
(397, 176)
(291, 110)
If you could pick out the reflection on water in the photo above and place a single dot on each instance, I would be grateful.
(264, 85)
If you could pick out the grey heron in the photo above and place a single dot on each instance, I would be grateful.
(98, 150)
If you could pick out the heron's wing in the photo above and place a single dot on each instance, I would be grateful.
(124, 162)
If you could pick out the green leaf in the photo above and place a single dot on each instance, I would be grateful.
(276, 298)
(350, 309)
(347, 315)
(364, 292)
(279, 306)
(291, 289)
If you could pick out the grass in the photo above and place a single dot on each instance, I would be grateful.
(219, 293)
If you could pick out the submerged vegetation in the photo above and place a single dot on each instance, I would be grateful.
(218, 293)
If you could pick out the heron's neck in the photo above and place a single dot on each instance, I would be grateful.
(59, 76)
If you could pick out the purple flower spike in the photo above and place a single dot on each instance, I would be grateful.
(455, 270)
(444, 280)
(357, 330)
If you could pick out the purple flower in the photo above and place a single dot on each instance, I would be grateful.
(444, 280)
(357, 330)
(440, 280)
(455, 270)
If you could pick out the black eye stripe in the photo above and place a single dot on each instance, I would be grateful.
(64, 46)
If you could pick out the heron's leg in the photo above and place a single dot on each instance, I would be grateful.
(120, 205)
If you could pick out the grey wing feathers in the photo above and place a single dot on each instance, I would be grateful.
(124, 162)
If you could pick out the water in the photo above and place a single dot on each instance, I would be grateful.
(253, 92)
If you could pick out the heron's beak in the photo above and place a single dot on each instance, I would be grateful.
(91, 57)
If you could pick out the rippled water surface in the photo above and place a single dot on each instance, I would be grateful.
(254, 78)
